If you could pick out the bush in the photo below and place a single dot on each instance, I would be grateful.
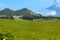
(27, 17)
(6, 36)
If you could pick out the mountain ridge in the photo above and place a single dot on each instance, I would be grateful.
(23, 11)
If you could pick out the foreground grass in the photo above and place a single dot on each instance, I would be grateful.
(31, 30)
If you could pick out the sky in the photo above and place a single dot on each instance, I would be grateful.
(58, 3)
(34, 5)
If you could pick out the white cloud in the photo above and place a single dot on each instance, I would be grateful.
(52, 13)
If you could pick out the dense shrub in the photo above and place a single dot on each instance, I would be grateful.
(6, 36)
(27, 17)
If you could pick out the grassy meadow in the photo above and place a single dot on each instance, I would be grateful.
(31, 30)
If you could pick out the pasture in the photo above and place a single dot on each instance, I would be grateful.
(31, 30)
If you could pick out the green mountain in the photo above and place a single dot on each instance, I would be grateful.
(23, 11)
(6, 11)
(26, 13)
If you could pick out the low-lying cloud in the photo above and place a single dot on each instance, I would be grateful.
(51, 13)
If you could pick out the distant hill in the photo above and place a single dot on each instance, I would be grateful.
(23, 11)
(6, 11)
(26, 14)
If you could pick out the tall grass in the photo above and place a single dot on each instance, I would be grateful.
(31, 30)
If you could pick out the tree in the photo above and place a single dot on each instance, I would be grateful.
(9, 17)
(27, 17)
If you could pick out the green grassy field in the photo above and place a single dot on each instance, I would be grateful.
(31, 30)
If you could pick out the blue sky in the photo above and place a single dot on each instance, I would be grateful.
(34, 5)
